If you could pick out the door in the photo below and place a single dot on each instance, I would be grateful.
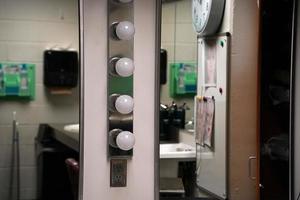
(243, 102)
(240, 176)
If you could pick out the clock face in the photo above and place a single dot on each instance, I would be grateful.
(200, 13)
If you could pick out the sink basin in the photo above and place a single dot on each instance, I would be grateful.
(73, 128)
(177, 150)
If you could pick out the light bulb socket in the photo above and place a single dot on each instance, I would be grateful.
(112, 31)
(112, 66)
(112, 137)
(112, 100)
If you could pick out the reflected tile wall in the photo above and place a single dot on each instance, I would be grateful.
(27, 29)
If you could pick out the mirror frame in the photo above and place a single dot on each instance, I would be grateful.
(158, 20)
(81, 100)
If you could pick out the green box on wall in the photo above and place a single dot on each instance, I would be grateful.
(17, 81)
(183, 79)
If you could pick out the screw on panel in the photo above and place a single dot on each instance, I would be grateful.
(222, 44)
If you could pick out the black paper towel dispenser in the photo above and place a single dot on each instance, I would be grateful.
(60, 69)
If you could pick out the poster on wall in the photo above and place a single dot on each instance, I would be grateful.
(210, 64)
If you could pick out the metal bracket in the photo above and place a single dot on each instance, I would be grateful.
(118, 11)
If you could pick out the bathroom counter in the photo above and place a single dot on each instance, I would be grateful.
(69, 139)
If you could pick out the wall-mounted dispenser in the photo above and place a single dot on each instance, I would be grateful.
(17, 81)
(120, 135)
(183, 79)
(163, 66)
(60, 69)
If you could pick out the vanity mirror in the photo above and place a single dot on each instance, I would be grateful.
(178, 87)
(39, 124)
(193, 98)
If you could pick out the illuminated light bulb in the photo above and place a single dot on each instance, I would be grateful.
(125, 1)
(125, 30)
(124, 67)
(124, 104)
(125, 140)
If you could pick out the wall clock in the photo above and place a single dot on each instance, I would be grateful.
(207, 15)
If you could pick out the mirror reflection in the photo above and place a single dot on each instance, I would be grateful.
(178, 75)
(39, 94)
(180, 165)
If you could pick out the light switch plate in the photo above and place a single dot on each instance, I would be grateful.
(118, 172)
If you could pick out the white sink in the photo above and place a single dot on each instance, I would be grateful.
(73, 128)
(177, 150)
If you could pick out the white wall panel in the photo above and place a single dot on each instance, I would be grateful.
(96, 168)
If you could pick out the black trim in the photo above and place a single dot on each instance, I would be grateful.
(292, 100)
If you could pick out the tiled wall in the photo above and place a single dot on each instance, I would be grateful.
(28, 27)
(179, 39)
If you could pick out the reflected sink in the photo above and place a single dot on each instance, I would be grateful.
(177, 150)
(73, 128)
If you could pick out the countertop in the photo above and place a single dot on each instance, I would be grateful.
(69, 139)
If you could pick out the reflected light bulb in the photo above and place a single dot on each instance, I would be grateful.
(125, 1)
(125, 140)
(124, 67)
(124, 104)
(125, 30)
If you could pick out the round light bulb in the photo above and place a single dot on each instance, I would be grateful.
(125, 140)
(124, 104)
(125, 30)
(125, 1)
(124, 67)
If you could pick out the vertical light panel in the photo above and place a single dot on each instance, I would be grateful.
(120, 74)
(95, 163)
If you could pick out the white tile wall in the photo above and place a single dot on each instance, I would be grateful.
(185, 34)
(3, 50)
(43, 10)
(179, 39)
(28, 27)
(183, 11)
(168, 33)
(185, 52)
(27, 184)
(168, 13)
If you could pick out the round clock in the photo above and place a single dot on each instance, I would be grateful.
(207, 15)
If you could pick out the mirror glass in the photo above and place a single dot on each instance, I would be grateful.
(39, 99)
(178, 88)
(178, 82)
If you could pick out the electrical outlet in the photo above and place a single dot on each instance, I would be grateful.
(118, 173)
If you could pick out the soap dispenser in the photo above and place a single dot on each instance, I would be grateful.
(60, 69)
